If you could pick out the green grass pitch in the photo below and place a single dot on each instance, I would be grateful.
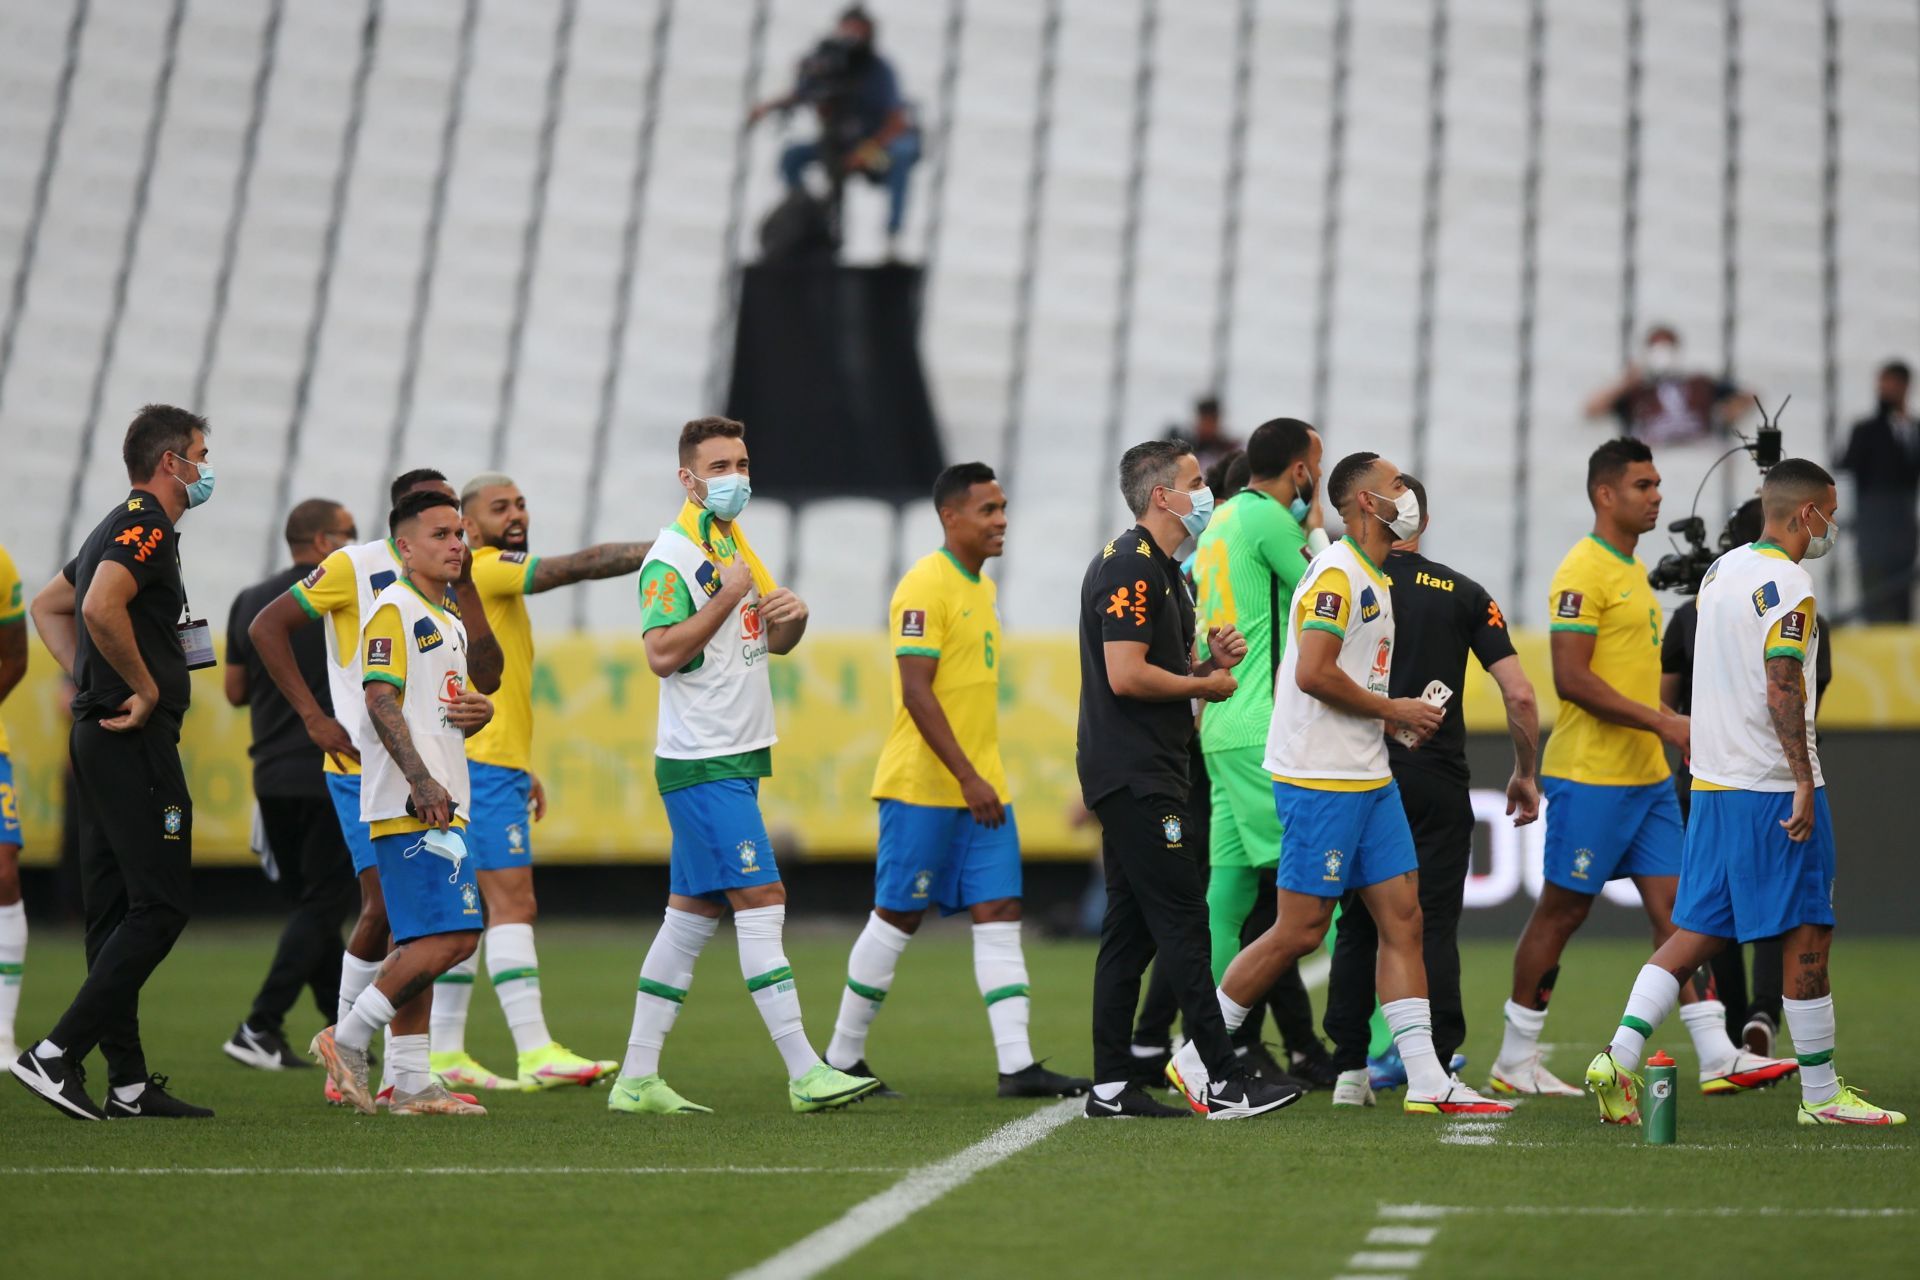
(554, 1182)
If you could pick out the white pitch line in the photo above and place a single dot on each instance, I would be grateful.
(1406, 1212)
(1385, 1260)
(1468, 1139)
(1402, 1235)
(877, 1215)
(438, 1171)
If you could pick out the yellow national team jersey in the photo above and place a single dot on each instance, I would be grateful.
(13, 608)
(940, 610)
(503, 579)
(1599, 592)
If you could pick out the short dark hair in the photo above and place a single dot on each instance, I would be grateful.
(1747, 523)
(412, 505)
(1898, 368)
(1148, 466)
(309, 520)
(1238, 473)
(701, 430)
(1663, 330)
(1207, 406)
(404, 482)
(1610, 461)
(952, 484)
(1346, 477)
(1276, 445)
(1216, 475)
(156, 431)
(1419, 494)
(1791, 482)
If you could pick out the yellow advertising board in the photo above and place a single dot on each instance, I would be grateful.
(594, 707)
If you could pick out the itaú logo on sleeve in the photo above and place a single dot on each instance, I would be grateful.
(1515, 858)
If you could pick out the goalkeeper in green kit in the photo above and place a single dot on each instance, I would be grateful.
(1250, 559)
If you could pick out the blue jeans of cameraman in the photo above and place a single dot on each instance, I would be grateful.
(902, 154)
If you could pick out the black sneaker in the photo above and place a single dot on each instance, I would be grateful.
(1035, 1081)
(155, 1103)
(1132, 1104)
(861, 1068)
(61, 1082)
(1244, 1095)
(1316, 1069)
(1260, 1060)
(263, 1051)
(1151, 1072)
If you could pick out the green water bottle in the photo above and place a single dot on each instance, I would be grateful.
(1662, 1094)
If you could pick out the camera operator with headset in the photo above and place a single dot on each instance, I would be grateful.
(864, 125)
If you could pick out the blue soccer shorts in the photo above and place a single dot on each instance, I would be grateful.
(426, 894)
(1600, 833)
(1341, 840)
(719, 839)
(935, 856)
(500, 817)
(345, 790)
(1740, 876)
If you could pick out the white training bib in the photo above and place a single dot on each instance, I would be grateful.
(374, 570)
(1744, 595)
(436, 674)
(1306, 738)
(722, 704)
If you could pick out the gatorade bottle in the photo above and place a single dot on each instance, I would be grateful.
(1662, 1076)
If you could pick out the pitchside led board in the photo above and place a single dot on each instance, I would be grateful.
(595, 702)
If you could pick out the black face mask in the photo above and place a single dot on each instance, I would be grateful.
(1891, 405)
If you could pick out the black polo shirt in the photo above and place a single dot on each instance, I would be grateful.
(1439, 617)
(1133, 591)
(138, 536)
(285, 761)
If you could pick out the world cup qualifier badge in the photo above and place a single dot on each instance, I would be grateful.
(1171, 828)
(172, 820)
(1570, 604)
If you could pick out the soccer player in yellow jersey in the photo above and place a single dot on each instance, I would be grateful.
(1611, 811)
(947, 834)
(13, 913)
(507, 796)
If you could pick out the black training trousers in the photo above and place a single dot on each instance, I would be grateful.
(316, 873)
(136, 856)
(1156, 903)
(1441, 816)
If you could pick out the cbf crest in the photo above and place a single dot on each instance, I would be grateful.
(749, 857)
(516, 838)
(922, 883)
(470, 899)
(1171, 828)
(1582, 859)
(1333, 860)
(172, 819)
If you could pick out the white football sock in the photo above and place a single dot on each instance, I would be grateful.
(870, 967)
(1234, 1014)
(1811, 1023)
(665, 975)
(129, 1092)
(1654, 994)
(355, 975)
(515, 969)
(452, 997)
(13, 965)
(1521, 1039)
(1411, 1021)
(409, 1055)
(370, 1015)
(386, 1053)
(1110, 1090)
(47, 1051)
(1707, 1023)
(1000, 967)
(763, 963)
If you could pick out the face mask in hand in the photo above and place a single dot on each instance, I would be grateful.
(1406, 520)
(201, 489)
(1819, 546)
(727, 495)
(1299, 507)
(1200, 513)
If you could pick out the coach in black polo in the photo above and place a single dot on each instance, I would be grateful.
(1138, 686)
(1440, 618)
(114, 619)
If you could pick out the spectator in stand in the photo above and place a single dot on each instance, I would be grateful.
(1661, 403)
(1208, 440)
(1883, 456)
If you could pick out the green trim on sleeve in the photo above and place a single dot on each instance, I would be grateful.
(1578, 628)
(299, 593)
(526, 582)
(16, 616)
(1320, 624)
(1787, 651)
(915, 651)
(384, 677)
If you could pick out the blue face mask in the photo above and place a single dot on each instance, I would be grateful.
(200, 490)
(450, 845)
(1299, 507)
(1195, 521)
(727, 495)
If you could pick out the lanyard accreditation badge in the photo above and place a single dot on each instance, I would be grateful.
(196, 638)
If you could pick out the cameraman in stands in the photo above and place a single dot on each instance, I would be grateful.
(864, 126)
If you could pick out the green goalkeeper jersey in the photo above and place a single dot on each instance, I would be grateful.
(1250, 559)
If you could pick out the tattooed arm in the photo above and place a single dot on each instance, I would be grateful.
(431, 802)
(485, 661)
(1787, 708)
(608, 560)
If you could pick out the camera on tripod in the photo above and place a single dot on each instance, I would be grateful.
(1682, 571)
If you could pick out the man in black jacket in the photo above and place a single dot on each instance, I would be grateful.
(1883, 455)
(296, 812)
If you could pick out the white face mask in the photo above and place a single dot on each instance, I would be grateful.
(1406, 519)
(1662, 358)
(1819, 546)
